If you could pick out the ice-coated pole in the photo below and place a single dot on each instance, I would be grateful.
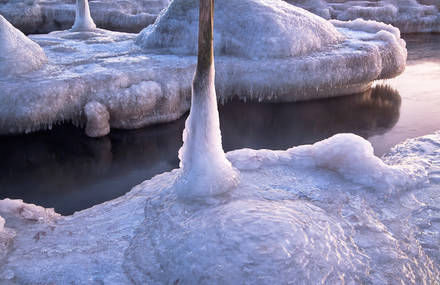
(83, 19)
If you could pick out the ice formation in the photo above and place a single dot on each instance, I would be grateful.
(18, 54)
(34, 16)
(205, 170)
(83, 20)
(97, 119)
(410, 16)
(297, 216)
(140, 85)
(283, 30)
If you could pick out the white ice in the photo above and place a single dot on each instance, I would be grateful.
(139, 85)
(83, 20)
(326, 213)
(410, 16)
(18, 54)
(35, 16)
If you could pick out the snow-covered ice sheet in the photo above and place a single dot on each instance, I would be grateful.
(43, 16)
(146, 79)
(326, 213)
(410, 16)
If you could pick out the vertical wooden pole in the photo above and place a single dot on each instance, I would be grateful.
(206, 28)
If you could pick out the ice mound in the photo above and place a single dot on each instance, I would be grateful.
(32, 16)
(18, 54)
(267, 29)
(410, 16)
(294, 217)
(139, 86)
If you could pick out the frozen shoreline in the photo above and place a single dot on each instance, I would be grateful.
(140, 87)
(383, 211)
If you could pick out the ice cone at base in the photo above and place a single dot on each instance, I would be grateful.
(205, 169)
(83, 20)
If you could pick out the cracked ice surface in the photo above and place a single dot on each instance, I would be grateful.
(322, 213)
(43, 16)
(410, 16)
(140, 84)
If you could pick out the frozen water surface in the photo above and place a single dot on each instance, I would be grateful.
(297, 212)
(141, 84)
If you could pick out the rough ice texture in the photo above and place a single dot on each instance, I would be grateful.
(410, 16)
(83, 20)
(139, 87)
(97, 119)
(18, 54)
(205, 169)
(33, 16)
(247, 28)
(327, 213)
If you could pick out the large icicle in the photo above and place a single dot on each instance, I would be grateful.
(205, 169)
(83, 20)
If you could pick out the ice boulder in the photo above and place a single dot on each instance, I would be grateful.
(250, 28)
(410, 16)
(18, 54)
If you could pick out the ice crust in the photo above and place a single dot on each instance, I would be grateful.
(139, 86)
(410, 16)
(266, 29)
(18, 54)
(308, 215)
(34, 16)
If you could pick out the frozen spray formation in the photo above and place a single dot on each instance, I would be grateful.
(297, 215)
(83, 20)
(410, 16)
(146, 79)
(205, 170)
(18, 54)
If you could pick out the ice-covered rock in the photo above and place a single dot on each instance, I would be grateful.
(248, 28)
(410, 16)
(140, 85)
(32, 16)
(18, 54)
(97, 119)
(297, 215)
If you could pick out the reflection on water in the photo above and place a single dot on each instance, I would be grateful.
(66, 170)
(419, 87)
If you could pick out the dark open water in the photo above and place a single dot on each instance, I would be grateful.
(68, 171)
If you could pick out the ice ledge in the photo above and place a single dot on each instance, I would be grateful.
(140, 88)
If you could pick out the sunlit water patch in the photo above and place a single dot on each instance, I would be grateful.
(66, 170)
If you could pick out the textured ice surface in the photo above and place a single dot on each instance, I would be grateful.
(247, 28)
(308, 215)
(140, 86)
(205, 171)
(35, 16)
(410, 16)
(18, 54)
